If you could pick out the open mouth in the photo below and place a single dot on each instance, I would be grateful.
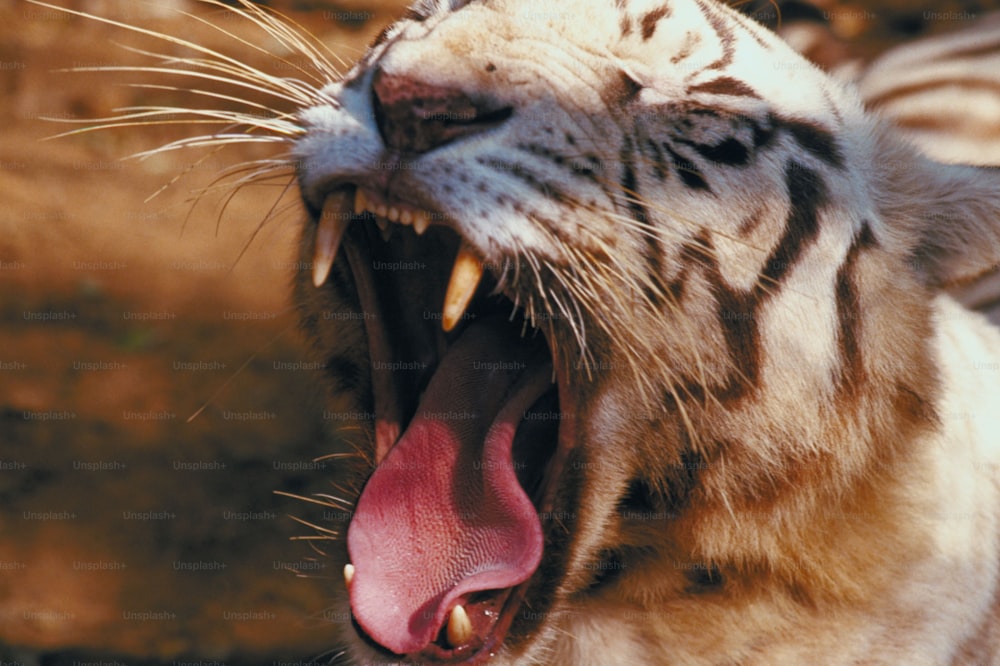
(469, 433)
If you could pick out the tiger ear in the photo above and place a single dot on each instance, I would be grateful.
(945, 217)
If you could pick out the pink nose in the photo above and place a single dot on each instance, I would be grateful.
(414, 117)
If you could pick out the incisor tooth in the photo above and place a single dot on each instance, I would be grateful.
(465, 276)
(459, 627)
(329, 232)
(348, 574)
(406, 217)
(393, 214)
(359, 201)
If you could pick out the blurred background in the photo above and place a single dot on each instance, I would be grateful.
(128, 534)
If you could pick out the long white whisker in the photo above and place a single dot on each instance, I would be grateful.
(279, 85)
(252, 72)
(208, 140)
(279, 26)
(209, 93)
(284, 93)
(238, 118)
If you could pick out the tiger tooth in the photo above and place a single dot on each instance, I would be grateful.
(381, 210)
(329, 232)
(384, 228)
(459, 627)
(348, 575)
(421, 221)
(393, 214)
(406, 217)
(465, 277)
(360, 201)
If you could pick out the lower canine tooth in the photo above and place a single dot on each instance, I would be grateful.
(459, 627)
(384, 228)
(465, 277)
(348, 574)
(329, 232)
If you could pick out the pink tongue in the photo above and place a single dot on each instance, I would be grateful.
(443, 515)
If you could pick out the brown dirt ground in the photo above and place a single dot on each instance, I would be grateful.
(126, 531)
(127, 534)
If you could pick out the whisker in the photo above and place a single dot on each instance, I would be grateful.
(209, 93)
(236, 373)
(263, 86)
(279, 26)
(237, 64)
(257, 229)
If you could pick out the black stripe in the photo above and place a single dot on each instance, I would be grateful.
(690, 255)
(638, 212)
(725, 85)
(814, 138)
(687, 170)
(751, 223)
(737, 310)
(730, 152)
(852, 373)
(807, 193)
(650, 20)
(657, 158)
(722, 31)
(762, 134)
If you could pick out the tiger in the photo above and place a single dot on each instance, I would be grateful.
(647, 323)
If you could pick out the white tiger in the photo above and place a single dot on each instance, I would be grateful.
(649, 312)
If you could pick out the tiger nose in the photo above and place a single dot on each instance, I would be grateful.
(414, 117)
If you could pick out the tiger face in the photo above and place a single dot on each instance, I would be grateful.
(647, 335)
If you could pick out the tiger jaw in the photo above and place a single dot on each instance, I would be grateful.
(472, 604)
(466, 274)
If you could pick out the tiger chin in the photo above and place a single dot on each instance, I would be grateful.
(649, 313)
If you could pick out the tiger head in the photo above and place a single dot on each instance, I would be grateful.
(609, 275)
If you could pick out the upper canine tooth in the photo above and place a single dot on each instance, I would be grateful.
(360, 201)
(421, 220)
(329, 232)
(459, 627)
(465, 277)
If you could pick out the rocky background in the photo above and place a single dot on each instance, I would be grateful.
(129, 534)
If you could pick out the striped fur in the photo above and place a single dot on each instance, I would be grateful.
(787, 437)
(787, 444)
